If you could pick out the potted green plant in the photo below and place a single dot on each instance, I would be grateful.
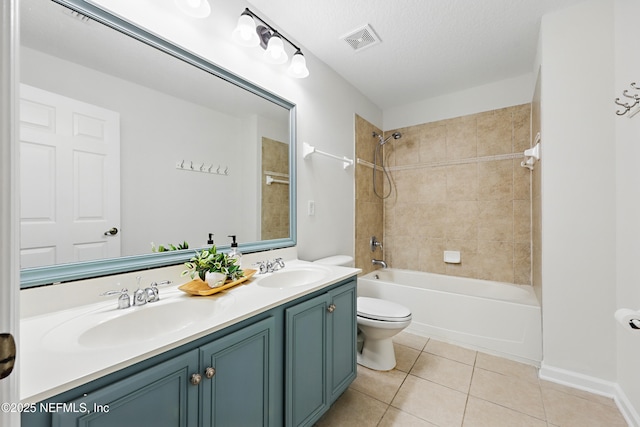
(212, 267)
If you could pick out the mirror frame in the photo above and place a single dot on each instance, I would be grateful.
(89, 269)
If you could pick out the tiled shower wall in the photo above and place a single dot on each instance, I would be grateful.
(457, 185)
(369, 208)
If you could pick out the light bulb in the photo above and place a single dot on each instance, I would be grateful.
(298, 67)
(275, 52)
(245, 32)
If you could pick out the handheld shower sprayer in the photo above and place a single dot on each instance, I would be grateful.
(381, 142)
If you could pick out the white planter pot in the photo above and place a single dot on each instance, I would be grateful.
(215, 279)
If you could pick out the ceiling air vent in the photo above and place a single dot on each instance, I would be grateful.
(361, 38)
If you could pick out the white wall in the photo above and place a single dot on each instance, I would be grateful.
(326, 106)
(157, 131)
(492, 96)
(627, 63)
(578, 192)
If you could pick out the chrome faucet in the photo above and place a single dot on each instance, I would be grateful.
(379, 262)
(270, 266)
(140, 296)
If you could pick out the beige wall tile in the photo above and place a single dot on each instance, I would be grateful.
(495, 180)
(495, 261)
(521, 127)
(462, 182)
(447, 196)
(495, 132)
(495, 220)
(461, 138)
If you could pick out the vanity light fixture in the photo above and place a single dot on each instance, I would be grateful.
(194, 8)
(248, 34)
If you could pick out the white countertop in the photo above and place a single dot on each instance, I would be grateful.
(52, 360)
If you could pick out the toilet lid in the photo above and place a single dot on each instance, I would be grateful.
(379, 309)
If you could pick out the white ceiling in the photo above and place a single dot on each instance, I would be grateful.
(429, 47)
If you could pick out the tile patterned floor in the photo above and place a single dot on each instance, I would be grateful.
(439, 384)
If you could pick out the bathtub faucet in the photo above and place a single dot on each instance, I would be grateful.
(379, 262)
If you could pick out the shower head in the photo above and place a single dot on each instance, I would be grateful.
(395, 135)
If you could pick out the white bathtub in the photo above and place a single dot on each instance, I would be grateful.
(498, 318)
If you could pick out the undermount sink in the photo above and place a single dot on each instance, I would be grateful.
(113, 327)
(290, 278)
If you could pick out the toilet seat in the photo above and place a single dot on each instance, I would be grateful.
(382, 310)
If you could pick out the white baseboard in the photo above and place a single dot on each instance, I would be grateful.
(593, 385)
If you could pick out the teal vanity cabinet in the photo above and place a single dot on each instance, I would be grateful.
(159, 396)
(241, 367)
(227, 382)
(320, 354)
(284, 366)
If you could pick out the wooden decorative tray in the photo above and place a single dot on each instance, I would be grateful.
(198, 287)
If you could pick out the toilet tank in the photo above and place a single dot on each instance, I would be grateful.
(342, 260)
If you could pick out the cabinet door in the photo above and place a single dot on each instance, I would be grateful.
(306, 361)
(242, 388)
(159, 396)
(342, 344)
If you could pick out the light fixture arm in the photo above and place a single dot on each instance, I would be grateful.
(273, 31)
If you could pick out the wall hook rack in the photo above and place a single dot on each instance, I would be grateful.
(190, 165)
(308, 150)
(632, 106)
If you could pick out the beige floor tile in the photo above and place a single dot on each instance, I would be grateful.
(443, 371)
(410, 340)
(405, 357)
(480, 413)
(507, 367)
(451, 351)
(568, 410)
(353, 409)
(512, 392)
(432, 402)
(579, 393)
(396, 418)
(382, 385)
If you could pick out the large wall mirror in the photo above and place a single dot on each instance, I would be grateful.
(130, 145)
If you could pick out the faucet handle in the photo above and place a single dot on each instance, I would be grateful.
(124, 301)
(152, 292)
(262, 267)
(279, 262)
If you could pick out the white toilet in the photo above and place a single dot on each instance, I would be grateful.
(378, 322)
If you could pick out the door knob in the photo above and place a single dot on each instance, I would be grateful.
(7, 354)
(111, 232)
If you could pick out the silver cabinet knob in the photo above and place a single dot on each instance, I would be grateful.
(331, 308)
(209, 372)
(195, 379)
